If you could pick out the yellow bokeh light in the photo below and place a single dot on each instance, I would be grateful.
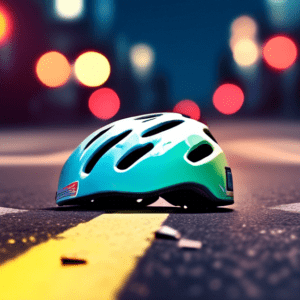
(92, 69)
(246, 52)
(245, 27)
(236, 39)
(3, 25)
(142, 57)
(69, 9)
(53, 69)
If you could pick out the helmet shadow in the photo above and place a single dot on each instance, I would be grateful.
(145, 210)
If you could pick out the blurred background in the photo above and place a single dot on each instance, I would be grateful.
(65, 62)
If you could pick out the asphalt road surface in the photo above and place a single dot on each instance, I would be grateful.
(248, 250)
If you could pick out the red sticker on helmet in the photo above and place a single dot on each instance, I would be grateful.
(68, 191)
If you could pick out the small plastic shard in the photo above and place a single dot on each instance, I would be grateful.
(166, 232)
(189, 244)
(69, 261)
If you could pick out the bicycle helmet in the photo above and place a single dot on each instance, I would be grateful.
(144, 157)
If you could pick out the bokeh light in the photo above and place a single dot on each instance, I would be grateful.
(243, 27)
(246, 52)
(280, 52)
(228, 98)
(53, 69)
(104, 103)
(69, 9)
(243, 41)
(92, 68)
(142, 57)
(5, 25)
(189, 108)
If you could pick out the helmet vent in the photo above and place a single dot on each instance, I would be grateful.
(148, 120)
(207, 132)
(186, 116)
(148, 117)
(162, 127)
(200, 152)
(134, 156)
(102, 150)
(96, 137)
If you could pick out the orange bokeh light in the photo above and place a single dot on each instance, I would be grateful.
(189, 108)
(53, 69)
(5, 25)
(228, 98)
(104, 103)
(280, 52)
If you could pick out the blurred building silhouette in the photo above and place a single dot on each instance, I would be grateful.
(37, 30)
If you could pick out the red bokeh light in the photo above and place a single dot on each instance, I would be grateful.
(280, 52)
(104, 103)
(228, 98)
(5, 25)
(189, 108)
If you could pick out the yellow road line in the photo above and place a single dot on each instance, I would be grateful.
(111, 244)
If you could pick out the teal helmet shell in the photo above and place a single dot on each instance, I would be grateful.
(162, 154)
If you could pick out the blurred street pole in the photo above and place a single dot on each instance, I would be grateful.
(142, 62)
(289, 90)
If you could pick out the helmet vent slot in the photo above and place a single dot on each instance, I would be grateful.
(162, 127)
(148, 117)
(200, 152)
(96, 137)
(208, 133)
(102, 150)
(186, 116)
(149, 120)
(134, 156)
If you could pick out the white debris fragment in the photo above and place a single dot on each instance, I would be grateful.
(189, 244)
(167, 232)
